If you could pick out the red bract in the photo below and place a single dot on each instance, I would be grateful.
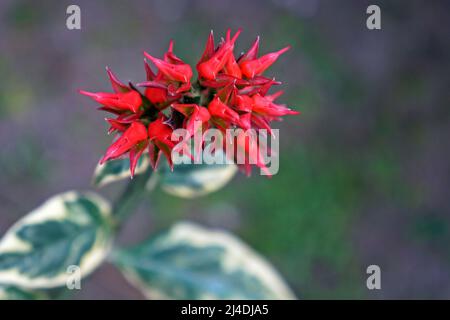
(209, 68)
(135, 134)
(118, 102)
(193, 113)
(160, 135)
(220, 110)
(265, 106)
(230, 92)
(250, 68)
(177, 71)
(156, 95)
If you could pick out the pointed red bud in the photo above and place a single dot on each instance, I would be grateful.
(156, 95)
(219, 109)
(133, 135)
(251, 148)
(245, 121)
(232, 68)
(266, 107)
(150, 75)
(175, 72)
(201, 115)
(115, 83)
(274, 96)
(135, 154)
(252, 53)
(261, 123)
(170, 57)
(251, 68)
(209, 68)
(160, 134)
(209, 48)
(244, 103)
(117, 101)
(193, 113)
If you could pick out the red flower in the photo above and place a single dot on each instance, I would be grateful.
(232, 68)
(230, 92)
(118, 102)
(160, 136)
(123, 99)
(173, 78)
(251, 68)
(172, 71)
(156, 95)
(265, 106)
(132, 136)
(220, 110)
(193, 113)
(209, 68)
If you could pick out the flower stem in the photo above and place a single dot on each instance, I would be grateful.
(131, 197)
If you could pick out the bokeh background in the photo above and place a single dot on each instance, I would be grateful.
(364, 171)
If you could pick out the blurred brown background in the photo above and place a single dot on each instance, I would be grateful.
(365, 172)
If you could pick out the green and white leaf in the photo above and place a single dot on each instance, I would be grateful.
(191, 262)
(68, 229)
(116, 170)
(15, 293)
(194, 180)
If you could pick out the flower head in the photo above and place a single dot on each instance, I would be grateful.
(230, 92)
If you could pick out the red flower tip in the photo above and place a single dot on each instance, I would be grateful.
(209, 48)
(193, 113)
(118, 102)
(170, 49)
(160, 135)
(220, 110)
(148, 71)
(135, 154)
(209, 68)
(265, 106)
(252, 53)
(232, 67)
(245, 121)
(175, 72)
(134, 134)
(250, 68)
(115, 83)
(87, 93)
(233, 40)
(156, 95)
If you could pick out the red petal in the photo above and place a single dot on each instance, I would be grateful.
(135, 154)
(148, 71)
(209, 48)
(250, 68)
(133, 135)
(115, 83)
(252, 53)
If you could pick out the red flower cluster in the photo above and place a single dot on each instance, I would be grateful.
(230, 92)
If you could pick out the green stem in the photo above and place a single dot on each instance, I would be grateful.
(131, 197)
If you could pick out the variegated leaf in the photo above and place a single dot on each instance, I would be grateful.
(68, 229)
(116, 170)
(15, 293)
(191, 262)
(194, 180)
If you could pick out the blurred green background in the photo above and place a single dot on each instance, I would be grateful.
(364, 170)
